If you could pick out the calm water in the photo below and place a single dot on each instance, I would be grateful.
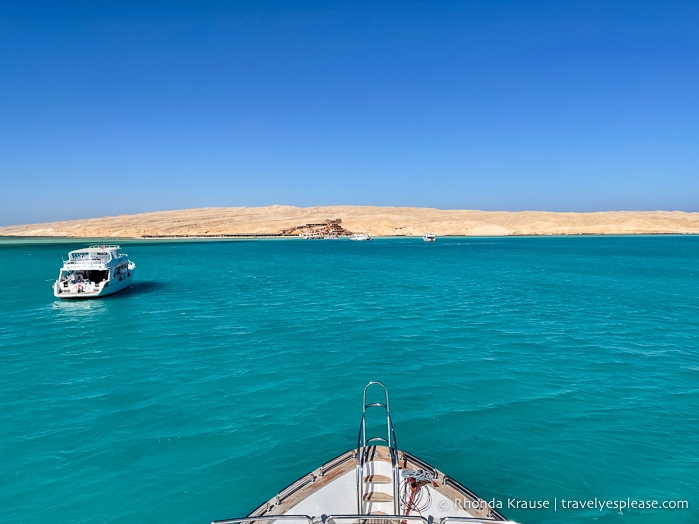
(528, 368)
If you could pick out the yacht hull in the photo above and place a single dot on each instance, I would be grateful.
(109, 288)
(374, 484)
(331, 489)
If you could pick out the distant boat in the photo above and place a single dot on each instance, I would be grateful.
(429, 237)
(310, 236)
(358, 237)
(93, 272)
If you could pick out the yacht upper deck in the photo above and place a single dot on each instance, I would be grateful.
(93, 257)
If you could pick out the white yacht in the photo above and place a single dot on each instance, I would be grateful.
(376, 483)
(95, 271)
(429, 237)
(358, 237)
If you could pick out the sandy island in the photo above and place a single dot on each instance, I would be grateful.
(377, 221)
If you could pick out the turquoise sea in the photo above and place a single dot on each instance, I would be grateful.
(536, 369)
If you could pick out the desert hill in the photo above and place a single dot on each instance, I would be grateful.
(377, 221)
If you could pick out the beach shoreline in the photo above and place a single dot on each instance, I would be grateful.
(287, 222)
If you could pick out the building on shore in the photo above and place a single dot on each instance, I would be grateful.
(331, 228)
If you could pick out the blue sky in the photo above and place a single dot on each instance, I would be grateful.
(123, 107)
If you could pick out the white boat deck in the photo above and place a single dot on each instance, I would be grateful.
(373, 484)
(331, 490)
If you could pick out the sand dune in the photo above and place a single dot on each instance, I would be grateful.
(378, 221)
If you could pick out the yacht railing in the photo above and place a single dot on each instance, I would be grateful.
(328, 519)
(263, 518)
(85, 262)
(389, 519)
(472, 520)
(389, 441)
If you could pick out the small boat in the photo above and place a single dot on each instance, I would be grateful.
(359, 237)
(376, 483)
(311, 236)
(93, 272)
(429, 237)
